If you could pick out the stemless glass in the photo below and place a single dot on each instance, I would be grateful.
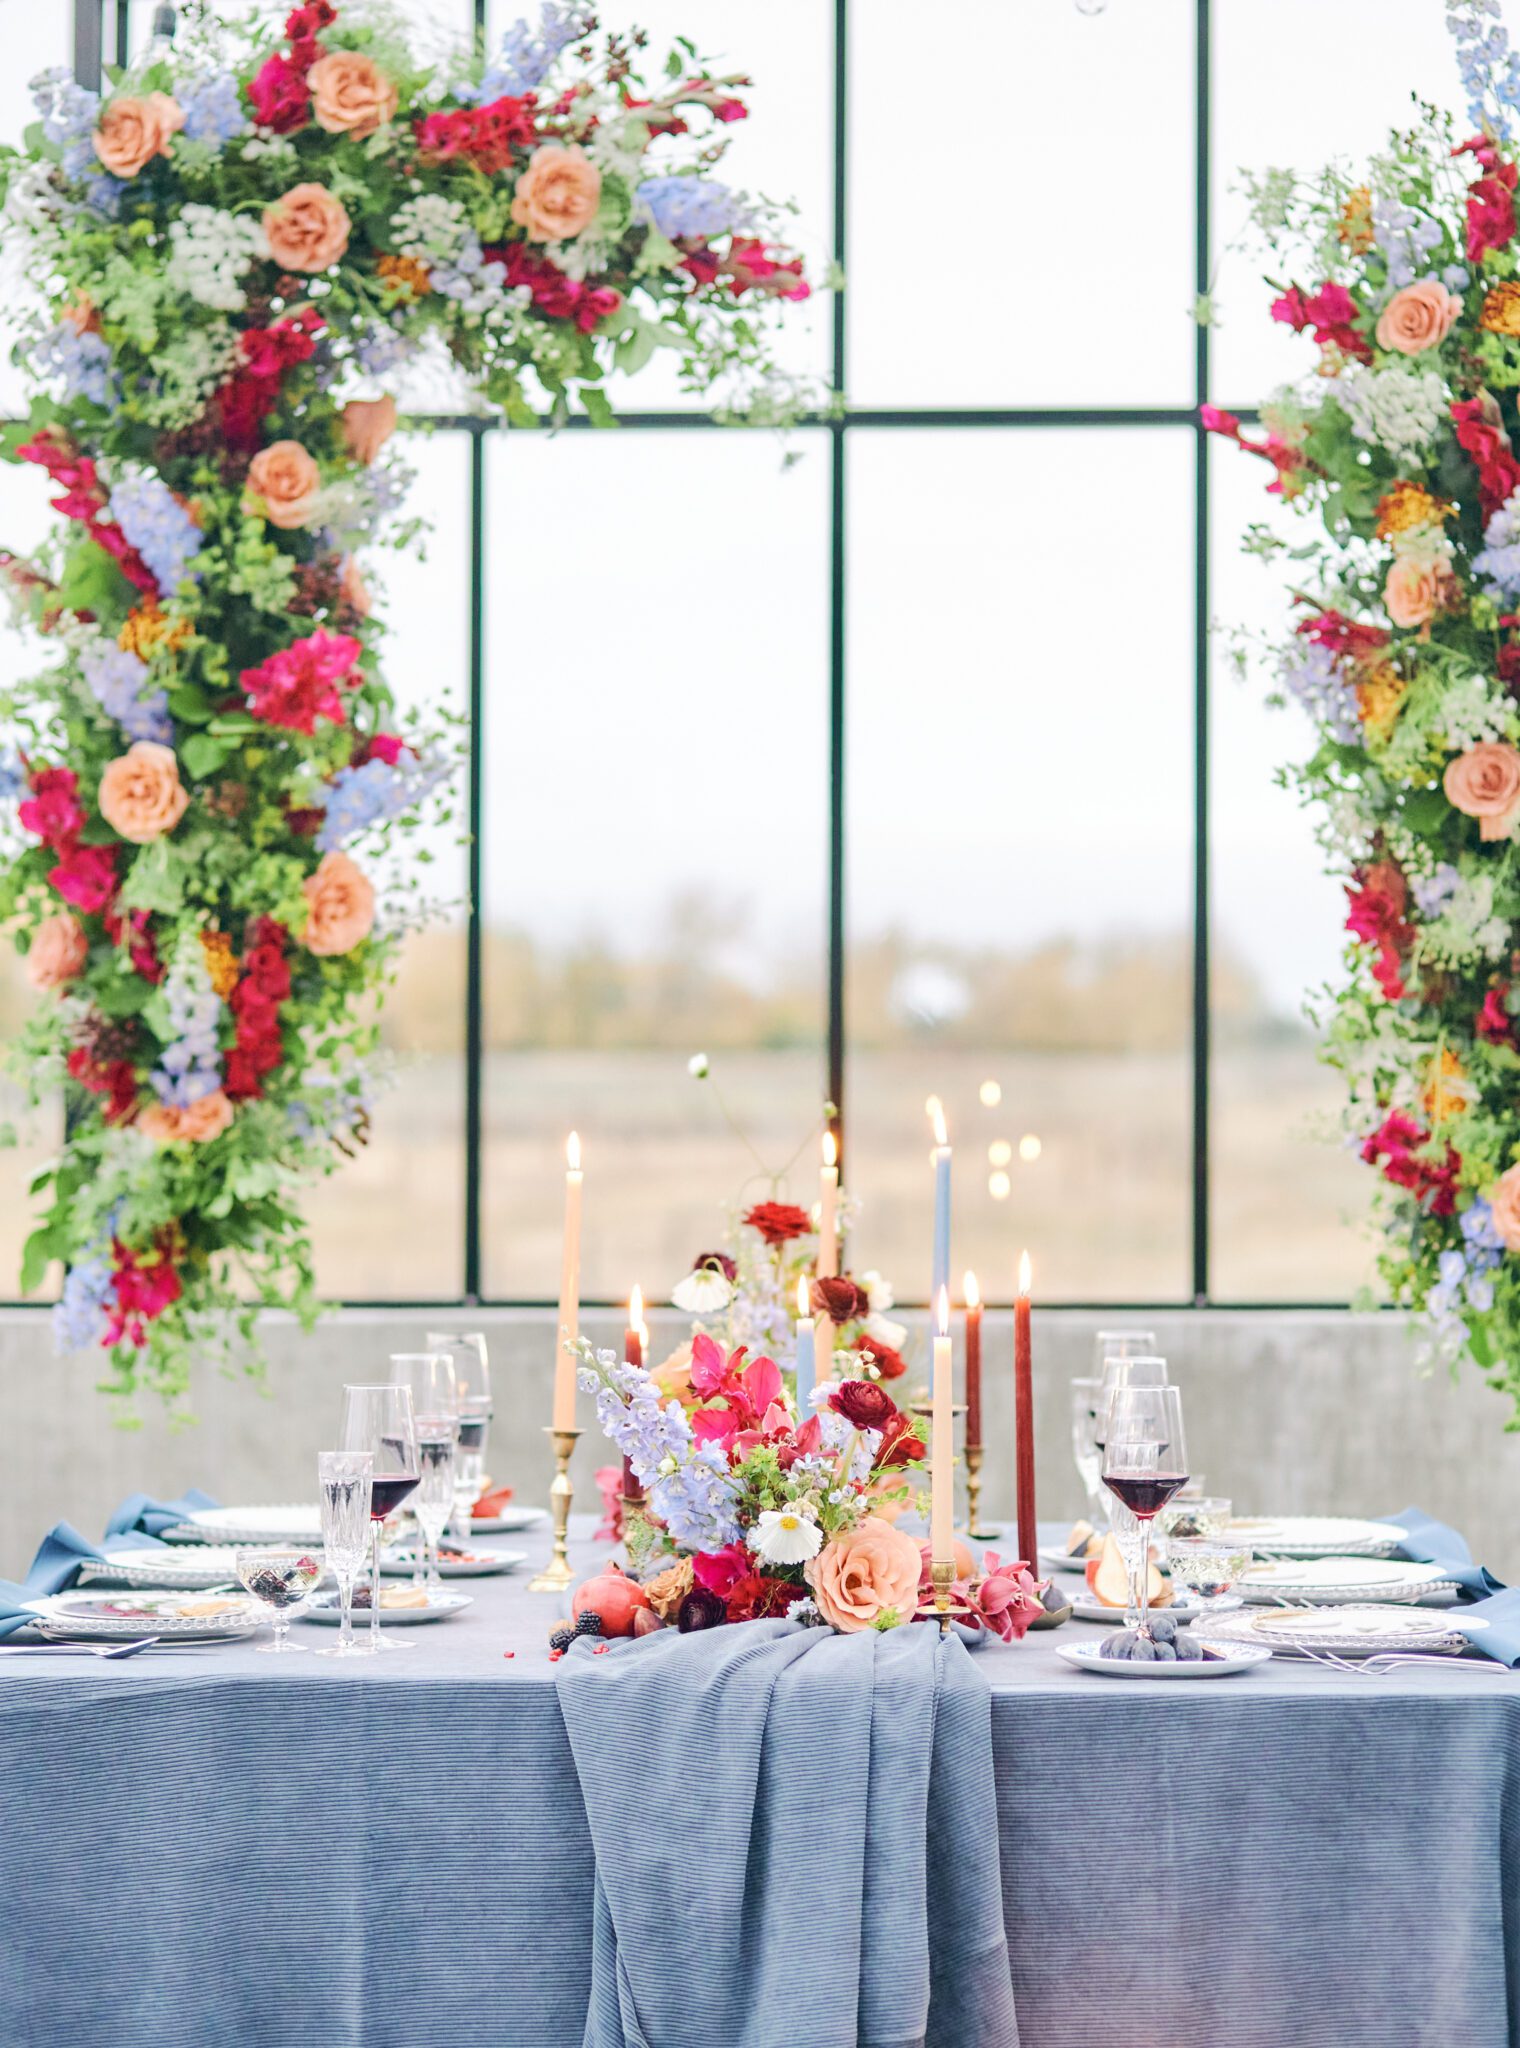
(344, 1479)
(472, 1383)
(1084, 1448)
(1209, 1566)
(380, 1420)
(435, 1405)
(1144, 1464)
(279, 1580)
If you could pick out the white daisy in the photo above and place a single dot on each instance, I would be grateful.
(785, 1536)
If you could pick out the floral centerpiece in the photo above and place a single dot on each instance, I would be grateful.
(1401, 448)
(237, 251)
(759, 1513)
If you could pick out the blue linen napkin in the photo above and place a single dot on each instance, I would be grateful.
(1427, 1541)
(795, 1837)
(56, 1566)
(140, 1511)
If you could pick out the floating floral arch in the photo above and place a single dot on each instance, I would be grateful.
(239, 248)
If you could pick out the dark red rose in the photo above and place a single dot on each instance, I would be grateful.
(840, 1298)
(1377, 898)
(900, 1441)
(715, 1262)
(700, 1609)
(863, 1404)
(757, 1597)
(889, 1363)
(779, 1222)
(1403, 1148)
(1495, 1025)
(1479, 428)
(1508, 664)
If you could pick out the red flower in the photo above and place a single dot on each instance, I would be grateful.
(1507, 662)
(889, 1363)
(299, 685)
(900, 1442)
(1006, 1599)
(1480, 431)
(145, 1284)
(1378, 897)
(53, 810)
(750, 265)
(757, 1597)
(717, 1570)
(86, 876)
(840, 1298)
(1217, 421)
(779, 1222)
(700, 1609)
(255, 1003)
(556, 296)
(116, 1079)
(268, 351)
(1347, 639)
(1494, 1024)
(279, 95)
(132, 932)
(1490, 199)
(863, 1404)
(1397, 1144)
(381, 746)
(485, 136)
(84, 499)
(1330, 311)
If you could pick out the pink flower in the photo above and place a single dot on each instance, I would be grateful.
(86, 876)
(59, 950)
(279, 96)
(299, 685)
(1007, 1598)
(1490, 200)
(1418, 317)
(719, 1570)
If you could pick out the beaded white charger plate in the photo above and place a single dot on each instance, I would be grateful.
(1348, 1631)
(326, 1608)
(1318, 1535)
(1234, 1658)
(67, 1617)
(187, 1570)
(1085, 1608)
(268, 1522)
(1331, 1581)
(507, 1520)
(404, 1559)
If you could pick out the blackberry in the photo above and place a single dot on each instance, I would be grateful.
(588, 1624)
(561, 1638)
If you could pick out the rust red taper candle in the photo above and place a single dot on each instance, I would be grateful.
(973, 1364)
(1023, 1419)
(633, 1352)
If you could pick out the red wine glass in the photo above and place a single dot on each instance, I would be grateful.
(1144, 1464)
(380, 1420)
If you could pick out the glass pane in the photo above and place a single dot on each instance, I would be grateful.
(390, 1224)
(1271, 107)
(1019, 859)
(1037, 248)
(36, 39)
(656, 837)
(782, 152)
(1289, 1201)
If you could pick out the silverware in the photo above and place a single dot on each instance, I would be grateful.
(1384, 1660)
(108, 1652)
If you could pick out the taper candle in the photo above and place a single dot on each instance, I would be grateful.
(635, 1351)
(569, 1325)
(939, 1271)
(973, 1364)
(806, 1355)
(828, 1208)
(942, 1445)
(1023, 1418)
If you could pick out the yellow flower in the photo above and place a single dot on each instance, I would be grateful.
(1501, 309)
(1408, 507)
(1447, 1088)
(148, 628)
(1379, 694)
(1355, 228)
(406, 271)
(221, 961)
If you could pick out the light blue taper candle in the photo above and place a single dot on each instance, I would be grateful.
(940, 1271)
(807, 1366)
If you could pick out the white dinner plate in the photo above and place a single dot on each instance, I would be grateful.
(401, 1561)
(204, 1566)
(1318, 1535)
(1348, 1631)
(106, 1616)
(1327, 1581)
(508, 1519)
(1239, 1657)
(325, 1608)
(1061, 1561)
(269, 1522)
(1086, 1608)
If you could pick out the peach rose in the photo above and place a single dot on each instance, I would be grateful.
(673, 1378)
(307, 229)
(340, 906)
(203, 1120)
(352, 587)
(132, 131)
(140, 794)
(1418, 317)
(558, 194)
(1484, 783)
(287, 480)
(368, 424)
(872, 1571)
(350, 94)
(1504, 1199)
(1413, 591)
(59, 951)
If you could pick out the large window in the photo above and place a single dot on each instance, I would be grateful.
(898, 761)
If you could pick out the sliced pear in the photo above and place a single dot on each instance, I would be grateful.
(1108, 1578)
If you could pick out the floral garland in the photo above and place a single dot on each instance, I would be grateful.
(237, 250)
(1406, 655)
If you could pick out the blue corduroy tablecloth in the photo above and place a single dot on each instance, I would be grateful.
(217, 1846)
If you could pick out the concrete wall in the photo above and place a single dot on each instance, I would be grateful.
(1304, 1412)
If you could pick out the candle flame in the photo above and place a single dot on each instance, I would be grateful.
(573, 1152)
(636, 1309)
(942, 1310)
(973, 1295)
(830, 1149)
(1025, 1272)
(936, 1112)
(804, 1302)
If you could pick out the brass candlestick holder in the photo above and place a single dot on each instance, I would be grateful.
(974, 1529)
(942, 1578)
(557, 1576)
(924, 1412)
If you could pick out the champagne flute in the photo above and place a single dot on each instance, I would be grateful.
(380, 1420)
(1144, 1464)
(344, 1479)
(472, 1383)
(435, 1405)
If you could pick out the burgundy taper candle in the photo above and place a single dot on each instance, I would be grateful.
(633, 1352)
(1023, 1420)
(973, 1364)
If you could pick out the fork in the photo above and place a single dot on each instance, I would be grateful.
(109, 1653)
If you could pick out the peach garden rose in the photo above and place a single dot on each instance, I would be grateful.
(308, 229)
(1413, 591)
(350, 94)
(134, 131)
(1484, 783)
(1418, 317)
(58, 952)
(368, 424)
(288, 480)
(558, 194)
(197, 1123)
(865, 1576)
(141, 795)
(1504, 1200)
(340, 906)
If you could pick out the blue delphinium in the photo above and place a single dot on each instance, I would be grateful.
(691, 206)
(1312, 674)
(13, 782)
(116, 676)
(526, 56)
(190, 1066)
(1433, 892)
(689, 1485)
(212, 108)
(1499, 559)
(1465, 1282)
(1490, 68)
(70, 114)
(158, 526)
(79, 1314)
(358, 799)
(1405, 237)
(83, 361)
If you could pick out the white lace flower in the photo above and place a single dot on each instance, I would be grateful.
(707, 1292)
(785, 1536)
(209, 250)
(430, 228)
(1400, 407)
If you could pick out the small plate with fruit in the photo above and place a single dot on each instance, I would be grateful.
(399, 1605)
(454, 1562)
(1083, 1543)
(1165, 1651)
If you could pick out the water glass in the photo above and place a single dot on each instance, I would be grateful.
(435, 1405)
(1084, 1448)
(472, 1386)
(1208, 1567)
(1189, 1514)
(343, 1478)
(279, 1580)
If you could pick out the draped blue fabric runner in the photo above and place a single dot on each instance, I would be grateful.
(1494, 1608)
(56, 1566)
(152, 1517)
(795, 1837)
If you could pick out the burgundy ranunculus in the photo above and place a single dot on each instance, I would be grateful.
(700, 1609)
(900, 1442)
(840, 1298)
(779, 1222)
(889, 1363)
(715, 1262)
(863, 1404)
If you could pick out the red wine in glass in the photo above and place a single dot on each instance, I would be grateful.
(1144, 1494)
(388, 1491)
